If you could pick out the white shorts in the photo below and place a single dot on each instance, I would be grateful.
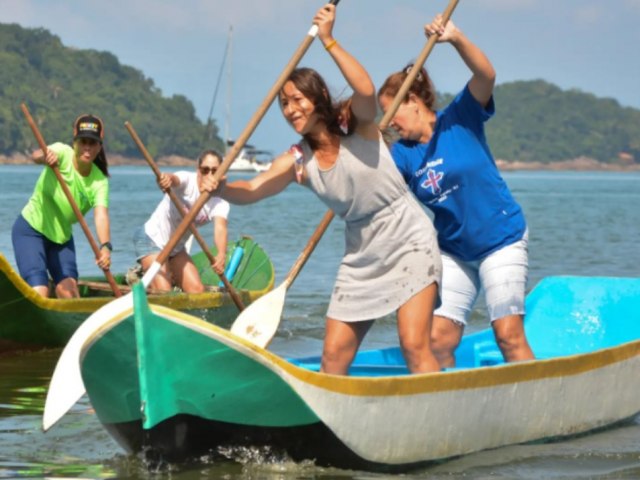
(502, 275)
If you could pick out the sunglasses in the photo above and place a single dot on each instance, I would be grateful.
(208, 170)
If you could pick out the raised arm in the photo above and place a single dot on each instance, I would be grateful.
(483, 75)
(364, 93)
(266, 184)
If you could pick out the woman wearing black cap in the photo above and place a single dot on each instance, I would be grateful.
(42, 235)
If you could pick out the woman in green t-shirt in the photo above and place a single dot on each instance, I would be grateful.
(42, 234)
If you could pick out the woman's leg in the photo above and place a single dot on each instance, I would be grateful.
(509, 332)
(67, 288)
(29, 252)
(63, 268)
(414, 329)
(460, 287)
(341, 342)
(504, 277)
(185, 273)
(445, 338)
(163, 280)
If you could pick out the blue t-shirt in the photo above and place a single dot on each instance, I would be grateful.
(455, 176)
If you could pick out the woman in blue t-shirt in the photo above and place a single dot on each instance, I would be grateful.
(446, 162)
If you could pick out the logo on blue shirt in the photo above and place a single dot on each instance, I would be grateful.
(433, 181)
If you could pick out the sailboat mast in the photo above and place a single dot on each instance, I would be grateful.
(209, 126)
(229, 86)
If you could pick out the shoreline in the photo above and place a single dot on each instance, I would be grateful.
(580, 164)
(113, 159)
(576, 164)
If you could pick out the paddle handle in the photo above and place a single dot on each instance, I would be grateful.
(72, 202)
(242, 138)
(176, 201)
(417, 66)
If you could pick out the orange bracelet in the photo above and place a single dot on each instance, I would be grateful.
(330, 45)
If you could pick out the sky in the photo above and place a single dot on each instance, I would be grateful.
(589, 45)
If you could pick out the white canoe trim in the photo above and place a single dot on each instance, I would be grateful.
(66, 386)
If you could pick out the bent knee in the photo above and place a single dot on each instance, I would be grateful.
(446, 334)
(194, 288)
(510, 334)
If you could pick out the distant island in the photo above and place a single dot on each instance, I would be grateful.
(114, 160)
(582, 164)
(577, 164)
(537, 125)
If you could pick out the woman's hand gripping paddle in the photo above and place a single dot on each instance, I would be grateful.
(66, 385)
(179, 206)
(259, 322)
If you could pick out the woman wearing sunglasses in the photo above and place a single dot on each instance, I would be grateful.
(149, 240)
(42, 234)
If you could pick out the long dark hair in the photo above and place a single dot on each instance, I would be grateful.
(101, 161)
(337, 116)
(422, 87)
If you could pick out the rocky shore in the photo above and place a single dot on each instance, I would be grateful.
(114, 160)
(576, 164)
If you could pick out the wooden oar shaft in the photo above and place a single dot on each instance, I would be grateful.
(309, 247)
(72, 202)
(101, 286)
(242, 139)
(406, 85)
(180, 207)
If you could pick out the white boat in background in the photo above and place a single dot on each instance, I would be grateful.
(247, 160)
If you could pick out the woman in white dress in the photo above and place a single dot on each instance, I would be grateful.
(391, 262)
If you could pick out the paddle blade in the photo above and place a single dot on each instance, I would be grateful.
(259, 321)
(66, 386)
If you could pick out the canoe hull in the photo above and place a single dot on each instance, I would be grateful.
(227, 392)
(29, 321)
(185, 438)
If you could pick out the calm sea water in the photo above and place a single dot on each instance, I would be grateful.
(579, 223)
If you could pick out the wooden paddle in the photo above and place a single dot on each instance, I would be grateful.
(66, 385)
(259, 322)
(72, 202)
(178, 204)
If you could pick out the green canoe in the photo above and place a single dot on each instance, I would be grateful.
(29, 321)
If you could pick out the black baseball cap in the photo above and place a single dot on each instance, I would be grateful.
(88, 126)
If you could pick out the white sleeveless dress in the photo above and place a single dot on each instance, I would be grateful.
(391, 250)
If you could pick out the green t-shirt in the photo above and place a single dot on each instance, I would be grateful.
(48, 210)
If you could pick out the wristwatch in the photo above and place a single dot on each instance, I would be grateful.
(107, 245)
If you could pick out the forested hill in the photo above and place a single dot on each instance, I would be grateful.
(535, 120)
(58, 83)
